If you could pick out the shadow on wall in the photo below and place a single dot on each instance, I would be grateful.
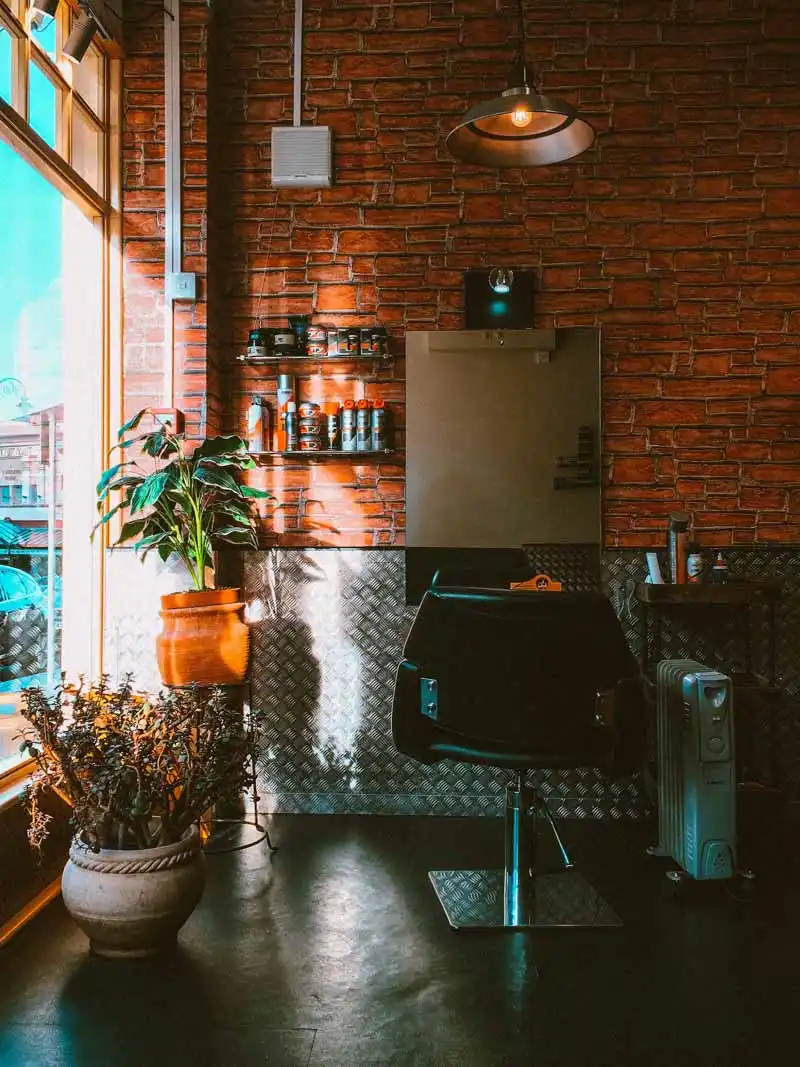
(326, 638)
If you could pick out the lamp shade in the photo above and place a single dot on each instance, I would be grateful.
(77, 44)
(520, 128)
(48, 7)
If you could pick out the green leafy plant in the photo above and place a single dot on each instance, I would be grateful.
(187, 505)
(137, 770)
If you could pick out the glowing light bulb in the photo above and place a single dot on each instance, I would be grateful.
(501, 279)
(521, 116)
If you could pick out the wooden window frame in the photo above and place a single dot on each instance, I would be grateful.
(59, 73)
(103, 207)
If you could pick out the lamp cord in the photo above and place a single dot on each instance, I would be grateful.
(521, 14)
(142, 18)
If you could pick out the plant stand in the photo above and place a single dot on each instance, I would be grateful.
(262, 833)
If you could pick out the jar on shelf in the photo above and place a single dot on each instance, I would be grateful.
(317, 341)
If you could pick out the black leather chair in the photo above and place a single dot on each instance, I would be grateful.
(519, 680)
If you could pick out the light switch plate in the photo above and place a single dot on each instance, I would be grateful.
(182, 286)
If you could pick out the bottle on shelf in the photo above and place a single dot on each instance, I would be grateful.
(379, 430)
(678, 539)
(719, 570)
(330, 411)
(348, 426)
(257, 417)
(363, 426)
(292, 436)
(695, 564)
(287, 391)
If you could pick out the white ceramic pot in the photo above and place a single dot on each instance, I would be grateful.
(132, 903)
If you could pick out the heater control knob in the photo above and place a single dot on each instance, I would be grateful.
(716, 744)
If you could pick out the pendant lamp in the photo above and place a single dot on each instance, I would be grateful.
(520, 128)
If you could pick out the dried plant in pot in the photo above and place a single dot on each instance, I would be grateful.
(187, 504)
(140, 772)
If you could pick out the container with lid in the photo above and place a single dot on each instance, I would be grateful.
(285, 343)
(380, 341)
(317, 341)
(365, 341)
(378, 426)
(695, 564)
(292, 436)
(348, 341)
(678, 538)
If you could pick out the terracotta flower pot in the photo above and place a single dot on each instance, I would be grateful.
(204, 639)
(132, 903)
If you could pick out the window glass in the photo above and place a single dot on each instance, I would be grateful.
(43, 103)
(87, 79)
(87, 145)
(50, 295)
(5, 65)
(43, 33)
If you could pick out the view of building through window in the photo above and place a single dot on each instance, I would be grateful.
(50, 364)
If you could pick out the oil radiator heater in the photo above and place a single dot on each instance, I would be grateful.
(696, 770)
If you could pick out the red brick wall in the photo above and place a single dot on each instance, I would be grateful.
(678, 233)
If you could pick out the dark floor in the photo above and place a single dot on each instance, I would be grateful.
(336, 953)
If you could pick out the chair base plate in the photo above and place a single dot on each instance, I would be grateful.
(475, 900)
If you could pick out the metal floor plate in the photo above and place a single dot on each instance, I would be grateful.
(475, 900)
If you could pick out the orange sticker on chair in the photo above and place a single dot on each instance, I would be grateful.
(542, 583)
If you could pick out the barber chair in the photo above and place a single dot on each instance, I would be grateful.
(519, 680)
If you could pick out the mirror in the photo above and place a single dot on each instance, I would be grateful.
(503, 438)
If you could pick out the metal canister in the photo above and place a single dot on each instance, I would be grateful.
(379, 430)
(310, 444)
(380, 341)
(286, 393)
(348, 426)
(317, 341)
(695, 564)
(333, 341)
(292, 439)
(255, 345)
(365, 340)
(332, 429)
(363, 427)
(310, 426)
(255, 425)
(354, 340)
(678, 537)
(344, 348)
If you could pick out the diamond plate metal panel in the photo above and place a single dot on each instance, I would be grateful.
(328, 627)
(476, 899)
(327, 630)
(133, 591)
(23, 643)
(716, 637)
(577, 567)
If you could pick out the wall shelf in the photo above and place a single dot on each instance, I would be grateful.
(325, 453)
(353, 357)
(731, 593)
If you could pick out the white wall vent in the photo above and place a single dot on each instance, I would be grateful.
(302, 156)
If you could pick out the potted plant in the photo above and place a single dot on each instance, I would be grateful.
(187, 505)
(139, 772)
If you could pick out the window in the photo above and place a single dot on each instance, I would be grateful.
(44, 33)
(63, 102)
(44, 104)
(54, 256)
